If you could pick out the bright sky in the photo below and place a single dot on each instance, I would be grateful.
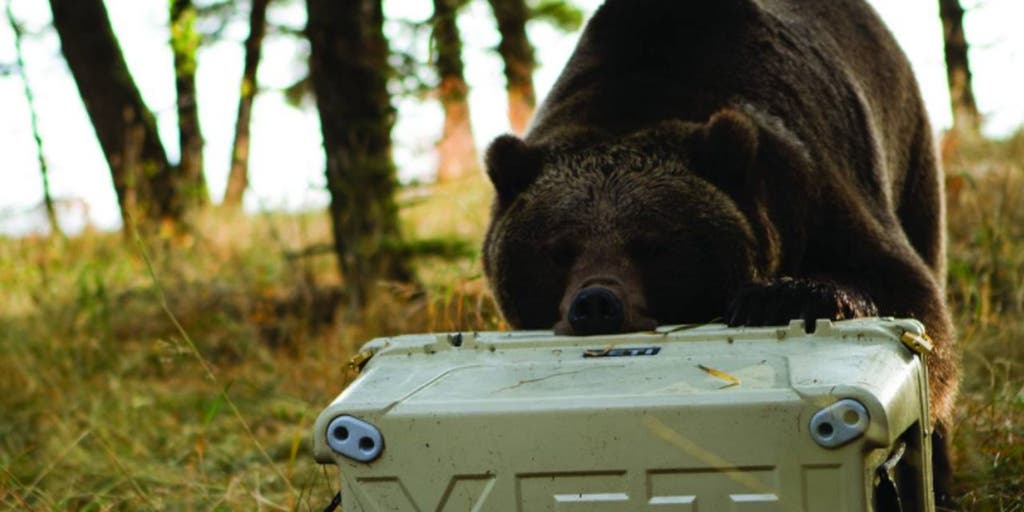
(287, 160)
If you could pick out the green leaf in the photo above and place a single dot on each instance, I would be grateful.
(562, 14)
(211, 412)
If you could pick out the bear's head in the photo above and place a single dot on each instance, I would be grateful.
(625, 233)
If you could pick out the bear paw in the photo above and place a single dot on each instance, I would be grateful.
(778, 302)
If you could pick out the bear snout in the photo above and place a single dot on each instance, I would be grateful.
(596, 310)
(604, 303)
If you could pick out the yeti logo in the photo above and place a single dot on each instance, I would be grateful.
(622, 352)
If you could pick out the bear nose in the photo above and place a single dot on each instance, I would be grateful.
(596, 310)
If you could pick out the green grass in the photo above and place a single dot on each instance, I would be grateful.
(108, 405)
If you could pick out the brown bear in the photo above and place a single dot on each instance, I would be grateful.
(748, 160)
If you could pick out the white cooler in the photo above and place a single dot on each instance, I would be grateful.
(693, 418)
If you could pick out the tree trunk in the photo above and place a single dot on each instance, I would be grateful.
(349, 70)
(126, 130)
(966, 119)
(456, 151)
(238, 178)
(517, 53)
(51, 211)
(185, 43)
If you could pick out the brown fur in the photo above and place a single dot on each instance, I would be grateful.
(752, 160)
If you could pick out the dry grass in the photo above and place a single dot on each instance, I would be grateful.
(108, 406)
(986, 289)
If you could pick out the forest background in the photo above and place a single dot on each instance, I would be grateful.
(208, 206)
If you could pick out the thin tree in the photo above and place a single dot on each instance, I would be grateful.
(349, 70)
(238, 178)
(512, 17)
(966, 119)
(517, 54)
(184, 45)
(143, 178)
(457, 155)
(51, 211)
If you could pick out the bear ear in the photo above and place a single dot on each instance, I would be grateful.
(727, 148)
(512, 166)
